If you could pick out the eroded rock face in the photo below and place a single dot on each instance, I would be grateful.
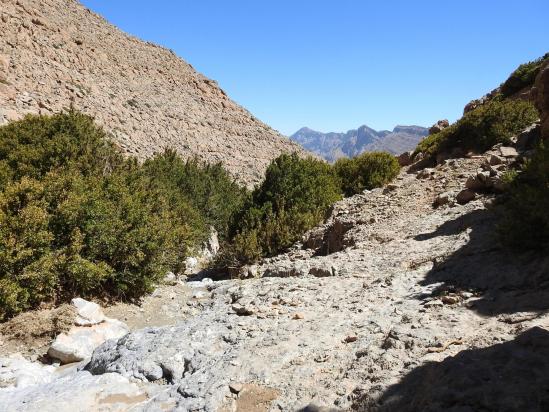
(540, 94)
(61, 54)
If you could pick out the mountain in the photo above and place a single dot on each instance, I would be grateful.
(332, 146)
(57, 53)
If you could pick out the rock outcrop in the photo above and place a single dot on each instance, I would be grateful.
(56, 53)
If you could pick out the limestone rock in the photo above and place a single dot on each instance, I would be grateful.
(87, 313)
(77, 392)
(507, 151)
(18, 372)
(79, 342)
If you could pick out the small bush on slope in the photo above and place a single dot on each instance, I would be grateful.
(366, 171)
(478, 130)
(523, 76)
(525, 223)
(294, 197)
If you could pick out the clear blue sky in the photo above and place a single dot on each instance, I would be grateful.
(334, 65)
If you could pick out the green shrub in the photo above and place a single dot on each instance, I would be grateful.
(76, 218)
(38, 144)
(366, 171)
(294, 197)
(525, 221)
(478, 130)
(523, 76)
(209, 188)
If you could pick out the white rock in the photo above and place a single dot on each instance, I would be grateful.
(79, 343)
(88, 313)
(191, 263)
(81, 391)
(17, 372)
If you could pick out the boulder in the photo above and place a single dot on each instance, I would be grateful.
(439, 126)
(80, 341)
(442, 199)
(87, 313)
(465, 196)
(405, 159)
(508, 151)
(426, 173)
(529, 137)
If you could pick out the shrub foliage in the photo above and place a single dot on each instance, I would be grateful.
(478, 130)
(294, 197)
(78, 218)
(525, 222)
(366, 171)
(523, 76)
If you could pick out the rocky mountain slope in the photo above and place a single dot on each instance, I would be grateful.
(56, 53)
(332, 146)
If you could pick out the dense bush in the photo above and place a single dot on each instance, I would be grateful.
(525, 223)
(209, 188)
(366, 171)
(523, 76)
(77, 218)
(38, 144)
(294, 197)
(478, 130)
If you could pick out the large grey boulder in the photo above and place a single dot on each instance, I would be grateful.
(193, 357)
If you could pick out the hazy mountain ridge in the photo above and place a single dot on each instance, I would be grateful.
(333, 145)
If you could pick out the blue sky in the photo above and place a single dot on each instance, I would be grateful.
(335, 65)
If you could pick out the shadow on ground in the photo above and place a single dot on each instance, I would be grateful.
(509, 282)
(511, 376)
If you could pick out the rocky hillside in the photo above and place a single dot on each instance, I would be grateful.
(56, 53)
(332, 146)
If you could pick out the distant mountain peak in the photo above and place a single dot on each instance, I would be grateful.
(334, 145)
